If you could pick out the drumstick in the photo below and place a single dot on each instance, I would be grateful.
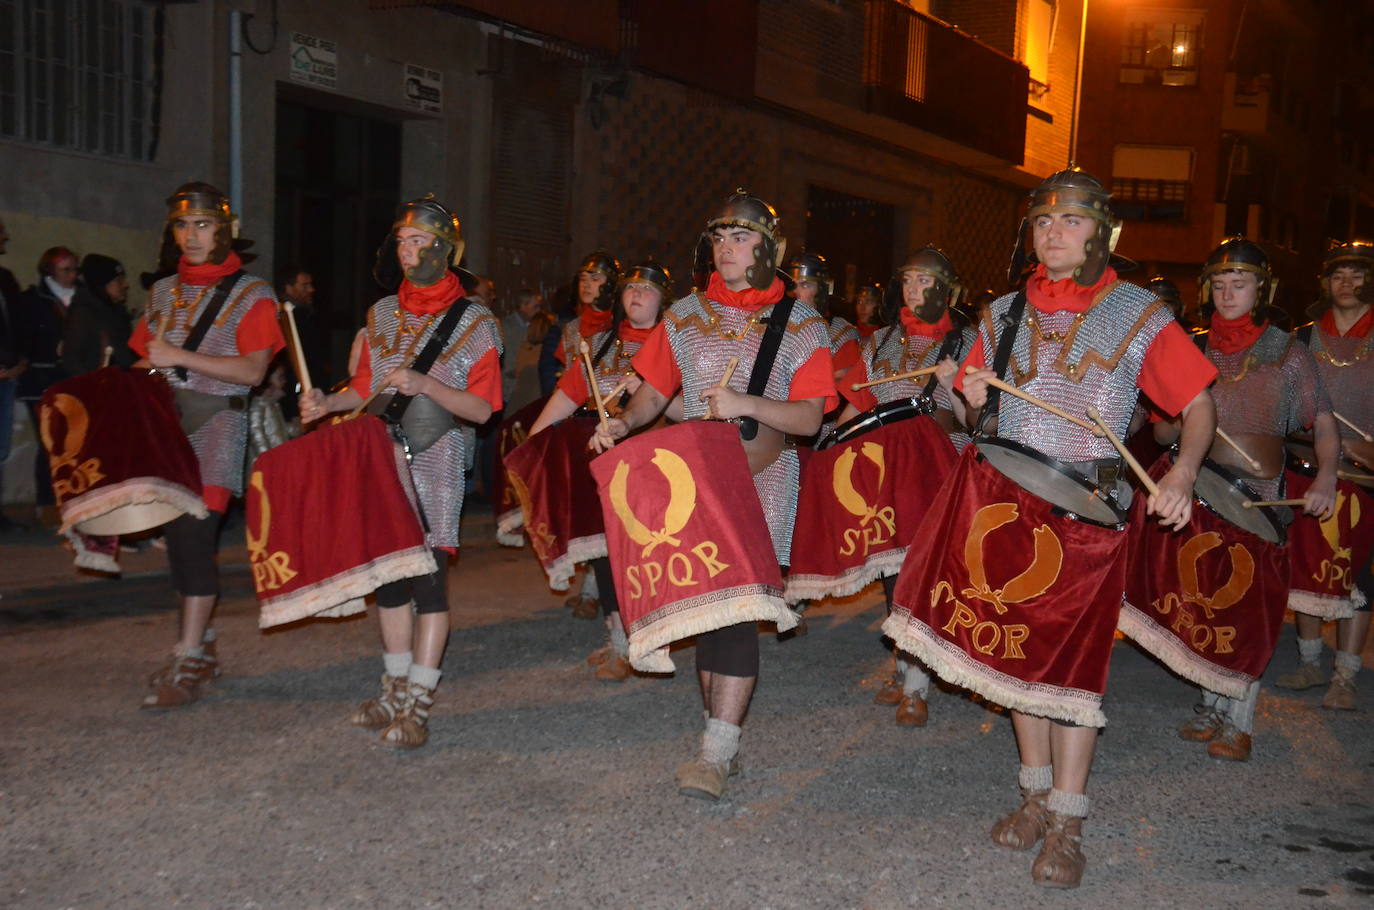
(1362, 434)
(162, 326)
(302, 368)
(619, 387)
(1027, 396)
(1145, 480)
(924, 371)
(1354, 478)
(105, 357)
(729, 371)
(1264, 503)
(1226, 438)
(586, 353)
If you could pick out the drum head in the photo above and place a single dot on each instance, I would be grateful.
(1052, 481)
(130, 519)
(1223, 493)
(883, 415)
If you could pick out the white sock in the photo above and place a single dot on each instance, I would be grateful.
(619, 641)
(720, 742)
(197, 652)
(209, 635)
(397, 665)
(1241, 711)
(1348, 664)
(1309, 650)
(589, 588)
(915, 679)
(1032, 777)
(1074, 805)
(425, 676)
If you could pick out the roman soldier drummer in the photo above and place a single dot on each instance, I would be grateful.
(464, 381)
(740, 250)
(814, 286)
(1076, 338)
(922, 328)
(211, 330)
(1331, 559)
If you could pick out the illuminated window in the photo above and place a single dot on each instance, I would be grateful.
(1039, 39)
(1151, 182)
(1161, 46)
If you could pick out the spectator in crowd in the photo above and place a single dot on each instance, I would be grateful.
(98, 318)
(524, 330)
(12, 366)
(296, 285)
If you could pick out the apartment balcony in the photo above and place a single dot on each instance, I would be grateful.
(1246, 108)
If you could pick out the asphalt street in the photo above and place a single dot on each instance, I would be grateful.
(541, 786)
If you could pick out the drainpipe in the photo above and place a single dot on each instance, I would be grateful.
(236, 110)
(1078, 85)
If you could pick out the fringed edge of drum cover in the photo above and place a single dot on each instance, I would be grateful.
(649, 646)
(1325, 606)
(134, 491)
(1178, 657)
(510, 528)
(580, 549)
(850, 581)
(947, 661)
(342, 594)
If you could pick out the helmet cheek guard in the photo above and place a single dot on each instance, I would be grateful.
(1236, 254)
(445, 250)
(1069, 191)
(751, 212)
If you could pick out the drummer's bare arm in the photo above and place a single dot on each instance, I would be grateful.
(849, 413)
(459, 403)
(242, 369)
(1174, 501)
(558, 407)
(644, 407)
(800, 418)
(1321, 496)
(1166, 431)
(316, 403)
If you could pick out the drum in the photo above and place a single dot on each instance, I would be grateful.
(514, 430)
(331, 517)
(1069, 492)
(1302, 458)
(1225, 495)
(687, 539)
(883, 415)
(120, 462)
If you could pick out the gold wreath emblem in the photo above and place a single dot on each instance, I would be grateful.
(1331, 529)
(257, 544)
(1034, 580)
(842, 479)
(270, 571)
(78, 423)
(1229, 594)
(682, 501)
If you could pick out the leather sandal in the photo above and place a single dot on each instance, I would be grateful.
(410, 729)
(1061, 861)
(178, 683)
(616, 669)
(891, 693)
(587, 608)
(912, 711)
(701, 779)
(600, 656)
(1024, 827)
(1230, 744)
(376, 713)
(1204, 727)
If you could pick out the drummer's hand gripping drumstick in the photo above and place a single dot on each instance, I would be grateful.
(924, 371)
(1264, 503)
(1145, 480)
(1039, 403)
(1226, 438)
(586, 353)
(725, 378)
(297, 355)
(1361, 433)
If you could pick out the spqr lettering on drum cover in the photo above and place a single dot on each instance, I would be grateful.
(71, 476)
(877, 525)
(1201, 633)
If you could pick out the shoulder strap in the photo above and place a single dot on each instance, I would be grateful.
(1304, 334)
(952, 339)
(1011, 324)
(1200, 339)
(606, 343)
(430, 353)
(208, 316)
(768, 353)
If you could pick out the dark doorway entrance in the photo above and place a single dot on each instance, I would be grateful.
(338, 181)
(854, 234)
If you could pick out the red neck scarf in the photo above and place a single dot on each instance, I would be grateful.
(1231, 335)
(915, 325)
(749, 299)
(865, 329)
(207, 273)
(630, 333)
(591, 321)
(430, 300)
(1360, 329)
(1065, 294)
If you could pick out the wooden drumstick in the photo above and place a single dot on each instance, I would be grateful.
(729, 371)
(1264, 503)
(924, 371)
(105, 357)
(298, 355)
(162, 326)
(1027, 396)
(1354, 478)
(619, 387)
(1225, 437)
(586, 353)
(1141, 474)
(1361, 433)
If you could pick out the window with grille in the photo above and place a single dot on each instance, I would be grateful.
(78, 74)
(1161, 47)
(1151, 182)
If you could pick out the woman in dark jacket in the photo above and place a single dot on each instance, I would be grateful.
(98, 319)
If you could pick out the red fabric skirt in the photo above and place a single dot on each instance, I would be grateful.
(552, 478)
(514, 430)
(1005, 597)
(120, 462)
(688, 542)
(861, 503)
(1325, 557)
(332, 516)
(1207, 601)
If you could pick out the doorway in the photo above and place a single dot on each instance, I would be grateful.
(855, 235)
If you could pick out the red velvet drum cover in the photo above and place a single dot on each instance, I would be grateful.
(1325, 557)
(514, 430)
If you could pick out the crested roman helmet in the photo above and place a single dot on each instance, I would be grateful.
(1075, 191)
(1358, 254)
(744, 210)
(1167, 291)
(939, 297)
(599, 261)
(429, 215)
(1236, 254)
(809, 266)
(203, 200)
